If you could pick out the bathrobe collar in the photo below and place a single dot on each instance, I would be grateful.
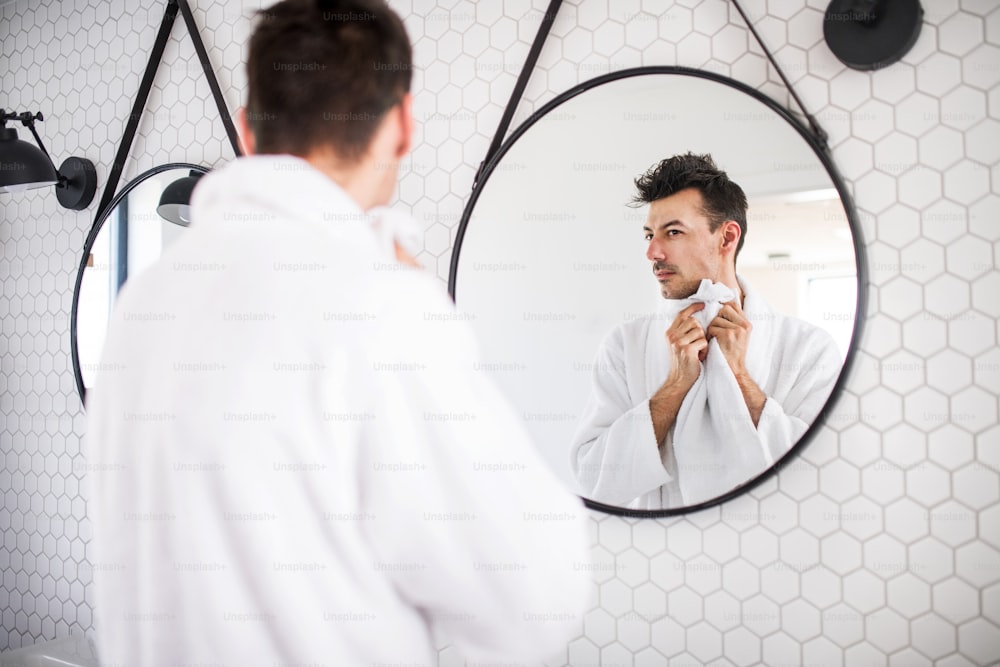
(264, 189)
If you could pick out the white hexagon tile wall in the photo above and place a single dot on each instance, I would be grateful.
(880, 544)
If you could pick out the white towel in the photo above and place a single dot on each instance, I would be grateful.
(714, 440)
(713, 446)
(394, 225)
(713, 295)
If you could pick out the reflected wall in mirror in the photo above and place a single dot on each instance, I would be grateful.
(553, 269)
(138, 225)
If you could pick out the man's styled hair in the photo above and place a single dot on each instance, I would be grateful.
(323, 73)
(721, 198)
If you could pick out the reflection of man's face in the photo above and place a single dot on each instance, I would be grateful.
(681, 247)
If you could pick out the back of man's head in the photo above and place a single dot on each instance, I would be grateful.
(322, 74)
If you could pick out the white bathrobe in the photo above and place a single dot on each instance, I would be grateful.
(713, 446)
(292, 459)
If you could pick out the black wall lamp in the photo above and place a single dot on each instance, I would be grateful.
(23, 167)
(175, 202)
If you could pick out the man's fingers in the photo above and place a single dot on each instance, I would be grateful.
(718, 327)
(685, 332)
(690, 324)
(682, 325)
(735, 316)
(692, 336)
(727, 312)
(689, 311)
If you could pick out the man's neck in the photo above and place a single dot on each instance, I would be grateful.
(730, 281)
(356, 179)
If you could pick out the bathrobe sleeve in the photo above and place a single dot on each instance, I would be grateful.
(614, 453)
(469, 523)
(807, 369)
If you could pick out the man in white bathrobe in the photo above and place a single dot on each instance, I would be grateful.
(694, 400)
(293, 461)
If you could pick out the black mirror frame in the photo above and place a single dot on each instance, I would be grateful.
(821, 151)
(88, 246)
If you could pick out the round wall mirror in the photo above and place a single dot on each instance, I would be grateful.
(551, 267)
(132, 234)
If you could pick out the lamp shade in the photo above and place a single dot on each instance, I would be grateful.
(22, 165)
(175, 202)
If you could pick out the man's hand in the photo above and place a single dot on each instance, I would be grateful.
(404, 257)
(688, 347)
(732, 329)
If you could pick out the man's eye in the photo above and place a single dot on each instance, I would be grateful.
(648, 237)
(672, 232)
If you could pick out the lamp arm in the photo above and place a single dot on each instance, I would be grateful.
(29, 122)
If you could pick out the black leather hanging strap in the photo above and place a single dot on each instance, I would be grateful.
(817, 131)
(536, 47)
(155, 56)
(213, 83)
(522, 83)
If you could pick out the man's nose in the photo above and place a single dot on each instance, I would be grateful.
(654, 252)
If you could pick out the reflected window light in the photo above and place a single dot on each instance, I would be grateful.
(829, 304)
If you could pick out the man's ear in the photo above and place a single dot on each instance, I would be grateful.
(731, 234)
(405, 126)
(248, 142)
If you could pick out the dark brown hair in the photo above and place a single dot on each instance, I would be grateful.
(721, 198)
(322, 74)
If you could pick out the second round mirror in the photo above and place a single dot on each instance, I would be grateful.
(138, 226)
